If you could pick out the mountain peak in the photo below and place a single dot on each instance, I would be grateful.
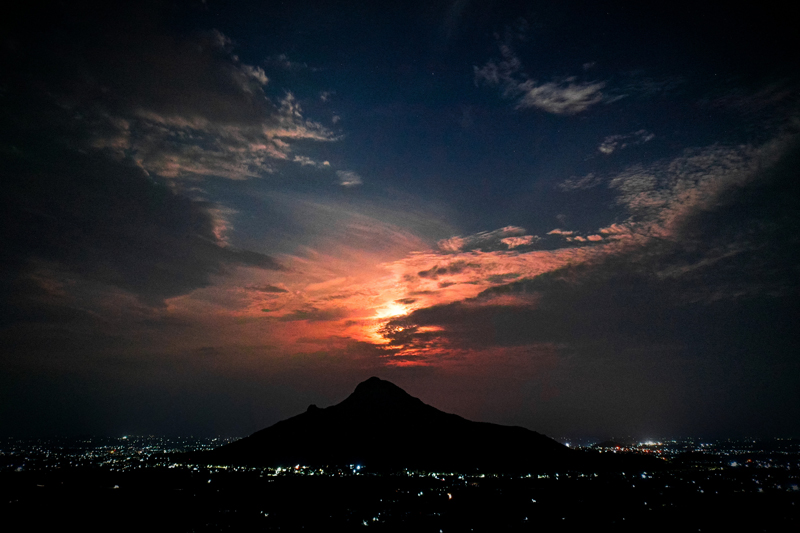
(377, 385)
(376, 393)
(380, 424)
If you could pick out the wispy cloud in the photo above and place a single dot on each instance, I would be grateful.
(613, 143)
(662, 196)
(266, 288)
(308, 162)
(348, 178)
(312, 314)
(505, 293)
(638, 84)
(502, 288)
(588, 181)
(562, 96)
(186, 107)
(113, 130)
(516, 242)
(174, 147)
(500, 239)
(282, 61)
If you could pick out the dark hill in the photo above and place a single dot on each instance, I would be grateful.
(381, 426)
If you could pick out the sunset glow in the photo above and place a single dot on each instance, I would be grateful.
(576, 219)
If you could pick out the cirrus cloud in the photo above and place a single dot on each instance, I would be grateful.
(561, 96)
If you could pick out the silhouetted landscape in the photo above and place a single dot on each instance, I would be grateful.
(429, 266)
(384, 460)
(380, 426)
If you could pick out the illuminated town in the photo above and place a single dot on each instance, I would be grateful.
(431, 266)
(700, 476)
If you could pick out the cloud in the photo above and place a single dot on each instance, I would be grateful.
(501, 239)
(637, 84)
(348, 178)
(564, 96)
(180, 105)
(455, 267)
(588, 181)
(610, 144)
(617, 142)
(106, 128)
(773, 106)
(662, 196)
(89, 218)
(257, 73)
(308, 162)
(654, 279)
(176, 148)
(313, 314)
(773, 96)
(515, 242)
(267, 289)
(282, 61)
(98, 119)
(695, 232)
(701, 230)
(349, 292)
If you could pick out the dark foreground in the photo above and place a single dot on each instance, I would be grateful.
(131, 484)
(188, 500)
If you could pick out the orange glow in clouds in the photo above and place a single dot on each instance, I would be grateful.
(350, 295)
(391, 310)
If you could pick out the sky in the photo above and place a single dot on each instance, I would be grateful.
(578, 217)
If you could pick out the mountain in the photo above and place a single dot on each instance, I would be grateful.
(381, 426)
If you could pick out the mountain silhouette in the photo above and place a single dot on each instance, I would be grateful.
(380, 425)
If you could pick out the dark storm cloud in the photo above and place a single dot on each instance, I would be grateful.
(180, 103)
(79, 201)
(191, 78)
(105, 220)
(123, 60)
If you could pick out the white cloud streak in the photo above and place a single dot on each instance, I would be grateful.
(348, 178)
(613, 143)
(563, 96)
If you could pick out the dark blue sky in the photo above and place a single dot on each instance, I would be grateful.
(579, 217)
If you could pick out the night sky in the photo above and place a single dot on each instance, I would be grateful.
(578, 217)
